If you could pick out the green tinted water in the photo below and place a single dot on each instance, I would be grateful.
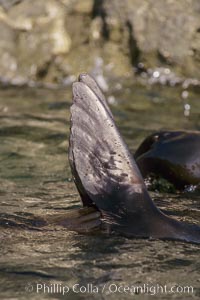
(35, 180)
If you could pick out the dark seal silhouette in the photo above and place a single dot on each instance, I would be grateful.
(107, 176)
(173, 155)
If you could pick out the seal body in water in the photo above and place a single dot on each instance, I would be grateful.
(173, 155)
(107, 176)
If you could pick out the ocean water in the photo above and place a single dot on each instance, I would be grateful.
(35, 180)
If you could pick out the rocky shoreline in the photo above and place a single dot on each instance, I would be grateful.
(51, 41)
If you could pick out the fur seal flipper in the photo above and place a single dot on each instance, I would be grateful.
(107, 176)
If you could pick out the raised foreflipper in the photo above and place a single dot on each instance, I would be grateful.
(108, 178)
(91, 83)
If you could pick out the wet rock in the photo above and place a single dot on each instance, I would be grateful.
(8, 62)
(160, 33)
(83, 7)
(6, 4)
(48, 41)
(31, 38)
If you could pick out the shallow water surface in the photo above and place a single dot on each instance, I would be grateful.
(36, 181)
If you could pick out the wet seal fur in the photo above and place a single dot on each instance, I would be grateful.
(173, 155)
(107, 176)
